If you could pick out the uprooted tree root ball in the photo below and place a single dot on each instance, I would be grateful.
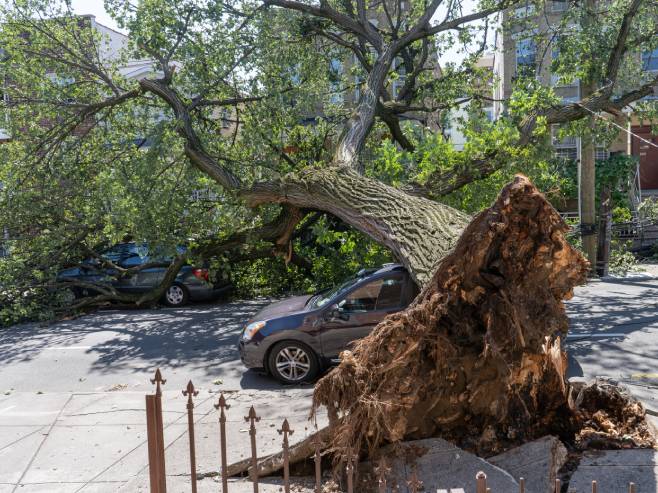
(608, 417)
(476, 359)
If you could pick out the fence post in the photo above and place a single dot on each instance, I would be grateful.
(382, 471)
(191, 392)
(221, 405)
(349, 469)
(481, 479)
(155, 436)
(317, 442)
(285, 431)
(558, 486)
(631, 487)
(521, 485)
(594, 487)
(414, 483)
(252, 418)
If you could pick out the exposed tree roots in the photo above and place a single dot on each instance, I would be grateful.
(477, 358)
(607, 417)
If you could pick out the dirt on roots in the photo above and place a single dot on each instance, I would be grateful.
(477, 358)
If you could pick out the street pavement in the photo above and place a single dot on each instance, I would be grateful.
(72, 392)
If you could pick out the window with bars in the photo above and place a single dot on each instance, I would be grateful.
(570, 153)
(601, 153)
(565, 147)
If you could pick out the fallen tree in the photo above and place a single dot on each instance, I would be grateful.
(477, 358)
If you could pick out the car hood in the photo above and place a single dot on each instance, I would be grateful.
(284, 307)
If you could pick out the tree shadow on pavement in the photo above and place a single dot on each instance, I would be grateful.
(613, 327)
(198, 336)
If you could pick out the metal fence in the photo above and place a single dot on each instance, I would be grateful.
(380, 483)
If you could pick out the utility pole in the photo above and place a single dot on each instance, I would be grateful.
(587, 176)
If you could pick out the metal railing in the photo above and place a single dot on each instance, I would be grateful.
(381, 482)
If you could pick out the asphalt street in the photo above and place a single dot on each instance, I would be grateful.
(72, 392)
(120, 349)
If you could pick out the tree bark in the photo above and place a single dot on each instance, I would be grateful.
(605, 232)
(477, 357)
(418, 231)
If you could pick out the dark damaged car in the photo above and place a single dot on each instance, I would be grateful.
(295, 339)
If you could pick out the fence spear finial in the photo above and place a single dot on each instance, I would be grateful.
(157, 380)
(190, 392)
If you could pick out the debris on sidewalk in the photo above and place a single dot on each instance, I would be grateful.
(609, 417)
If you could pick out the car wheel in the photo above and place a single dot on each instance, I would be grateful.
(176, 295)
(293, 362)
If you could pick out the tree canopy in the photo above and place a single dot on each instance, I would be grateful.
(303, 132)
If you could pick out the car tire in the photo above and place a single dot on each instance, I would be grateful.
(176, 295)
(293, 362)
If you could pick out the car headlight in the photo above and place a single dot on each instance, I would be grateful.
(251, 329)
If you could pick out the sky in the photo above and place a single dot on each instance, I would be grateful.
(95, 7)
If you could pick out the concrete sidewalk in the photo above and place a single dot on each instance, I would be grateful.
(96, 442)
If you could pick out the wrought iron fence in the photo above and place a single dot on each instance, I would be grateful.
(380, 482)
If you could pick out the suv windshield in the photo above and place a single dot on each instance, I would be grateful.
(323, 297)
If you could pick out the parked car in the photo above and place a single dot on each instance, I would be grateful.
(191, 284)
(296, 338)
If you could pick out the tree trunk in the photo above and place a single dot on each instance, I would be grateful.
(605, 232)
(419, 232)
(588, 169)
(477, 357)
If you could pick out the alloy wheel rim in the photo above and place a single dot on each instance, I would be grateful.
(175, 295)
(293, 363)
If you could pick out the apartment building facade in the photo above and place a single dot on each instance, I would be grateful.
(527, 47)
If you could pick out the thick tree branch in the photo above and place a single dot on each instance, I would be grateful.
(326, 12)
(617, 54)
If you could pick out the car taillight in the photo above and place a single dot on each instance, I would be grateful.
(201, 274)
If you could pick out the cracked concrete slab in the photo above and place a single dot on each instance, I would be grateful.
(613, 470)
(20, 443)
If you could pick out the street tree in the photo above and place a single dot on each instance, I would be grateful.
(239, 106)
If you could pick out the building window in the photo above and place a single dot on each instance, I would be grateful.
(565, 147)
(526, 57)
(398, 83)
(567, 153)
(524, 11)
(601, 153)
(226, 118)
(559, 5)
(650, 60)
(555, 79)
(335, 75)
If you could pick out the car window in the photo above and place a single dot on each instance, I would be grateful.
(380, 294)
(326, 296)
(124, 250)
(390, 294)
